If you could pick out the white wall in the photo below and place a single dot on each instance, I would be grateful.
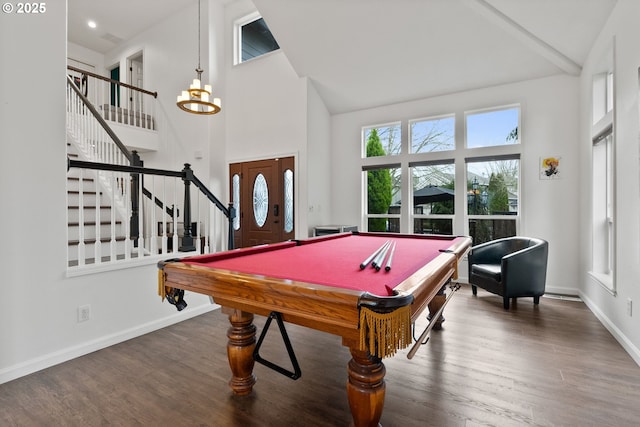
(88, 57)
(266, 111)
(612, 309)
(170, 59)
(218, 167)
(39, 314)
(319, 168)
(549, 110)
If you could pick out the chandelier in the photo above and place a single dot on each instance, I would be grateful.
(196, 99)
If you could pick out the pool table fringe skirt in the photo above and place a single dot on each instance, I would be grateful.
(162, 290)
(383, 334)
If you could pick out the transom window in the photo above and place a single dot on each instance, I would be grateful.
(492, 128)
(252, 38)
(427, 135)
(383, 140)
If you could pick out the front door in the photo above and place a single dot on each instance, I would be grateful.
(262, 194)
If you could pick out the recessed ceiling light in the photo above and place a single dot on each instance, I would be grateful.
(92, 24)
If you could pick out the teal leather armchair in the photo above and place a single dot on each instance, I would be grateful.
(511, 267)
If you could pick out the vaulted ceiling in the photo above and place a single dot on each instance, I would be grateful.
(366, 53)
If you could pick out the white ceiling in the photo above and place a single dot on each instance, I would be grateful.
(116, 20)
(367, 53)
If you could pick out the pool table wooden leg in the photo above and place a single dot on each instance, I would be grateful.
(434, 306)
(365, 388)
(242, 342)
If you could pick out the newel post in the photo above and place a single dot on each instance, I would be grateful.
(134, 229)
(187, 240)
(232, 215)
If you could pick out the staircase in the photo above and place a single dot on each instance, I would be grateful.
(119, 210)
(98, 202)
(95, 233)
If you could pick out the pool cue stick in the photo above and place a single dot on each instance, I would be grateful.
(432, 323)
(377, 262)
(388, 266)
(366, 262)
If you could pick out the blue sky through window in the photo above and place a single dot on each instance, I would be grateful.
(491, 128)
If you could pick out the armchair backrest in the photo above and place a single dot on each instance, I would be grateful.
(492, 252)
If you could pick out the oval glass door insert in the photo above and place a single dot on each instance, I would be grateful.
(260, 200)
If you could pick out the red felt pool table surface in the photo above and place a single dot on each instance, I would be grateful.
(334, 260)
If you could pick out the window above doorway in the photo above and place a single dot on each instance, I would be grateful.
(252, 38)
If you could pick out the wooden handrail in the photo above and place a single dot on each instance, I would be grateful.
(187, 176)
(100, 120)
(116, 82)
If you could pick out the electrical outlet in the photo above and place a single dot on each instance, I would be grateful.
(629, 306)
(84, 313)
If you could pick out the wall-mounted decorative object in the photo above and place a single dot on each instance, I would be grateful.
(550, 167)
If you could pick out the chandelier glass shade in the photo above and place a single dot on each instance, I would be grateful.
(197, 99)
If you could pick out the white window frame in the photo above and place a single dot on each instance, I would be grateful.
(428, 119)
(413, 216)
(603, 173)
(237, 37)
(491, 110)
(515, 218)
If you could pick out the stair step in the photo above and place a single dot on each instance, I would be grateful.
(74, 192)
(91, 223)
(75, 178)
(91, 241)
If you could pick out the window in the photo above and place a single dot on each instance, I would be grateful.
(602, 184)
(603, 256)
(236, 200)
(419, 173)
(492, 198)
(383, 199)
(252, 38)
(432, 135)
(493, 128)
(383, 140)
(433, 196)
(260, 200)
(288, 200)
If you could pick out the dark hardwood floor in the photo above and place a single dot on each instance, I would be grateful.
(552, 365)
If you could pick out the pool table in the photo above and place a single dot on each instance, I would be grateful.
(319, 283)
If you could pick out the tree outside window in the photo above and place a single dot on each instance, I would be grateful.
(492, 193)
(389, 138)
(430, 135)
(379, 185)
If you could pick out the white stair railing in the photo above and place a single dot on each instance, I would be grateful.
(131, 221)
(116, 101)
(161, 222)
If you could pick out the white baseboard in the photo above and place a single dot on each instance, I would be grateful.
(559, 290)
(630, 348)
(36, 364)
